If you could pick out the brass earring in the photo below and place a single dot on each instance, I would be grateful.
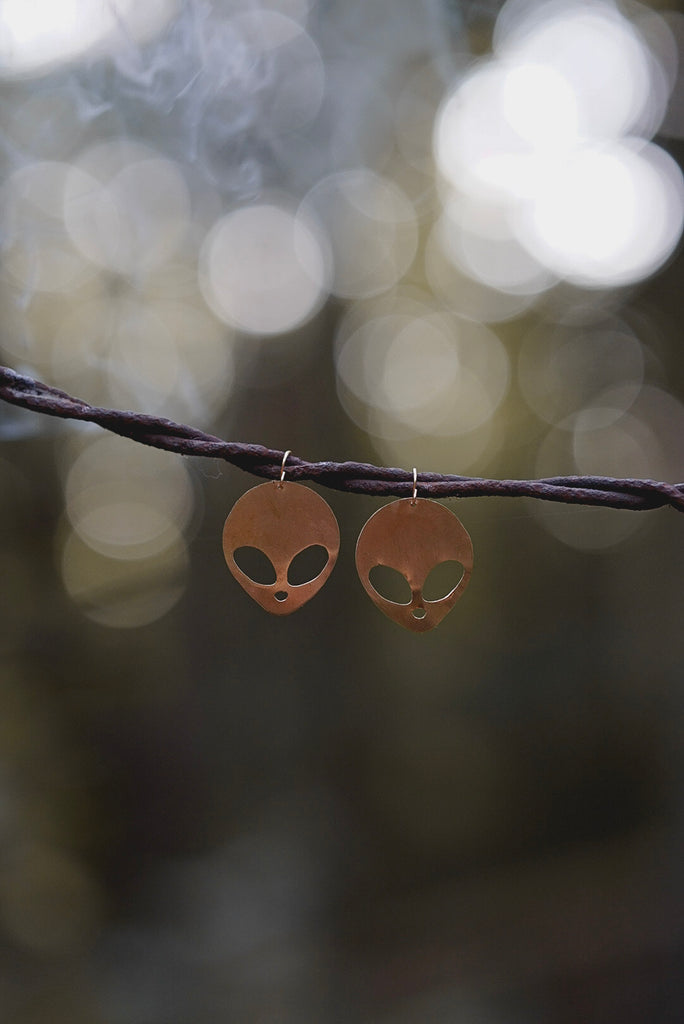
(281, 520)
(413, 536)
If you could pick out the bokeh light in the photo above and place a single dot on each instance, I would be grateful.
(123, 346)
(264, 269)
(619, 434)
(429, 372)
(123, 555)
(128, 501)
(479, 241)
(551, 132)
(153, 354)
(598, 56)
(407, 372)
(588, 529)
(459, 290)
(371, 227)
(126, 209)
(288, 56)
(34, 37)
(564, 368)
(610, 216)
(38, 253)
(123, 593)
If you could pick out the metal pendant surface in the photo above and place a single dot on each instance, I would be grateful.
(412, 536)
(281, 519)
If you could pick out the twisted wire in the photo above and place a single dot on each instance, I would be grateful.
(357, 477)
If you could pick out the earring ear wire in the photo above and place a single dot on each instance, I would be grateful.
(282, 466)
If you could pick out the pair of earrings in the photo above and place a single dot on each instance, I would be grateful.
(411, 536)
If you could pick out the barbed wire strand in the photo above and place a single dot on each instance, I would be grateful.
(357, 477)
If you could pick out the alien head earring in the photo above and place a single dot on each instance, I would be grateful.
(281, 520)
(413, 536)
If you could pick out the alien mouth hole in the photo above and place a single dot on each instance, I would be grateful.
(419, 613)
(280, 595)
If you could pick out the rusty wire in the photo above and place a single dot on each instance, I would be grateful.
(357, 477)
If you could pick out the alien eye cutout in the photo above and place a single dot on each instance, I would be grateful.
(307, 565)
(255, 564)
(442, 579)
(390, 584)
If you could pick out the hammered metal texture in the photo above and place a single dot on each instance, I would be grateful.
(412, 536)
(281, 519)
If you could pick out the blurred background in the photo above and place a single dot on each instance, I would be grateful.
(412, 232)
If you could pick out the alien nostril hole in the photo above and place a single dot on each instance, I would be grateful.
(419, 613)
(280, 595)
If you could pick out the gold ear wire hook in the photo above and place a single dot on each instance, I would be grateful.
(415, 486)
(282, 467)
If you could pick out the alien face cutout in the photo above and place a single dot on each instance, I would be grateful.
(281, 519)
(413, 536)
